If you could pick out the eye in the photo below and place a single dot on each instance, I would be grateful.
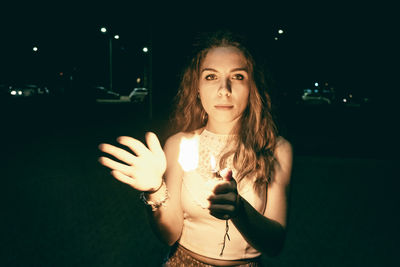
(238, 77)
(211, 77)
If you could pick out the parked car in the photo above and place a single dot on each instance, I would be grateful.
(102, 93)
(138, 94)
(349, 99)
(27, 90)
(315, 97)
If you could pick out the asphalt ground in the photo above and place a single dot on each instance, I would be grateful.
(60, 207)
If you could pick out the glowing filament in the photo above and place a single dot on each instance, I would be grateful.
(213, 163)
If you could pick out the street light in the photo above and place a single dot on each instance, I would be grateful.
(110, 39)
(148, 75)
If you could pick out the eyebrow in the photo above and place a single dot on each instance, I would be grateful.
(232, 70)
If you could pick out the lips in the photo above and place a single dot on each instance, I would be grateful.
(223, 106)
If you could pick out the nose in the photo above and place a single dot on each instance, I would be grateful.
(225, 88)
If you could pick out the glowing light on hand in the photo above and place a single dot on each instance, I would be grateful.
(189, 153)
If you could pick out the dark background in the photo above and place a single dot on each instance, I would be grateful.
(349, 45)
(59, 207)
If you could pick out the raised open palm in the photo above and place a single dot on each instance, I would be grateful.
(142, 170)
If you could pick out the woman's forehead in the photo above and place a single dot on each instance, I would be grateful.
(224, 56)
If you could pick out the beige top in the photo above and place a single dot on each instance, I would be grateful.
(202, 233)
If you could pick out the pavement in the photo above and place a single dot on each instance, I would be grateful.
(60, 207)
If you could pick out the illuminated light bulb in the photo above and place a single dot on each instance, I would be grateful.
(103, 30)
(145, 49)
(116, 36)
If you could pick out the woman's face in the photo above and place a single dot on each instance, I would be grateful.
(224, 85)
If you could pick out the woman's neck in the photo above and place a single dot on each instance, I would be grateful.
(220, 128)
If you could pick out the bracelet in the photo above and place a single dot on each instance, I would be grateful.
(156, 204)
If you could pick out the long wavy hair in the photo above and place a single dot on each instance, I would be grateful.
(256, 131)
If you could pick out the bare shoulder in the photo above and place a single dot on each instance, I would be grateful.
(283, 147)
(284, 160)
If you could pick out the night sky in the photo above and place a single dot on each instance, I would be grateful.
(346, 45)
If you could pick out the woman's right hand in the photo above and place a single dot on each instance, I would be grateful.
(144, 170)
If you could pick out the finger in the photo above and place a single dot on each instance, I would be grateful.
(224, 187)
(222, 209)
(123, 178)
(112, 164)
(153, 143)
(118, 153)
(226, 174)
(229, 198)
(135, 145)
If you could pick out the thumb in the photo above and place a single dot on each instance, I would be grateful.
(153, 143)
(226, 174)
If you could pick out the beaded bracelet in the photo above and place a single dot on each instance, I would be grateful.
(156, 204)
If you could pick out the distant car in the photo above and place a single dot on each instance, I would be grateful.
(138, 94)
(27, 90)
(315, 97)
(354, 100)
(102, 93)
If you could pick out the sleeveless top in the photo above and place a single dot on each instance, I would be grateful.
(202, 233)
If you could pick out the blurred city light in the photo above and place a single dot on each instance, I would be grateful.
(35, 48)
(103, 30)
(145, 49)
(280, 31)
(316, 84)
(276, 38)
(116, 36)
(138, 80)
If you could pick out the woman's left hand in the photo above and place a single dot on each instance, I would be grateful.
(224, 202)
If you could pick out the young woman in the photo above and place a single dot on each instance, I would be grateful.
(223, 113)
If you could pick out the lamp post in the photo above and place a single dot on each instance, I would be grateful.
(149, 76)
(110, 47)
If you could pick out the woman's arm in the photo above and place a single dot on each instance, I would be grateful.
(143, 170)
(265, 232)
(167, 221)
